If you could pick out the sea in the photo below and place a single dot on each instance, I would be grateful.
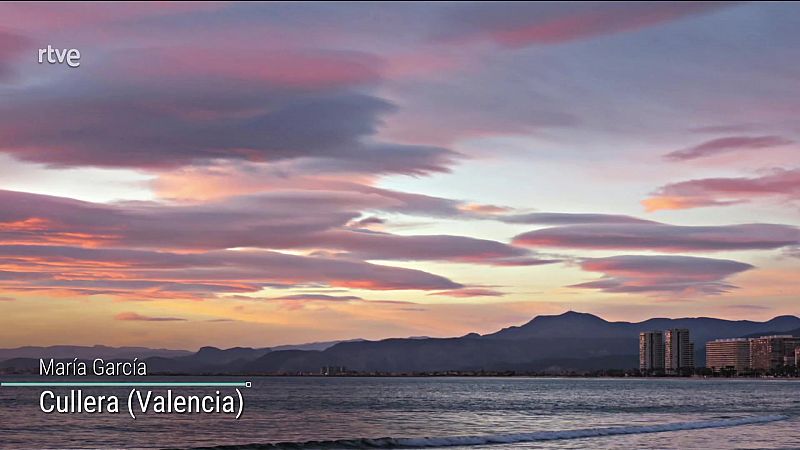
(444, 412)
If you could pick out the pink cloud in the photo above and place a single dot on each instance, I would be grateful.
(551, 218)
(301, 301)
(165, 127)
(161, 109)
(319, 220)
(319, 298)
(364, 244)
(154, 249)
(661, 274)
(300, 69)
(779, 184)
(726, 145)
(471, 292)
(485, 209)
(142, 273)
(663, 237)
(523, 24)
(132, 316)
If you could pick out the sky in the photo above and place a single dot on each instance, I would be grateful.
(254, 174)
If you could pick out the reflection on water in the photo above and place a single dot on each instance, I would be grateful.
(305, 409)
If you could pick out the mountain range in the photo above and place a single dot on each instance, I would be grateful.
(571, 341)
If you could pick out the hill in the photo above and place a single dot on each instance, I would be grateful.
(564, 342)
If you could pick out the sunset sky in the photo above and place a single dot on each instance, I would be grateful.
(261, 174)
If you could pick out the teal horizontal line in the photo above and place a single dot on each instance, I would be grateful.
(122, 384)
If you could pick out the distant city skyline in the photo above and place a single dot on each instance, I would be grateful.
(256, 174)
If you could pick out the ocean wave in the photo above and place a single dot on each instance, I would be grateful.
(452, 441)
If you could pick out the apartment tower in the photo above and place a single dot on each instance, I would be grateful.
(678, 351)
(651, 351)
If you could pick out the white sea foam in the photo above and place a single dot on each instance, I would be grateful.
(581, 433)
(452, 441)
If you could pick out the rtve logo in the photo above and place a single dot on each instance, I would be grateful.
(69, 56)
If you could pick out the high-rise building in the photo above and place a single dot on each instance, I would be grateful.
(728, 354)
(770, 352)
(651, 351)
(678, 350)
